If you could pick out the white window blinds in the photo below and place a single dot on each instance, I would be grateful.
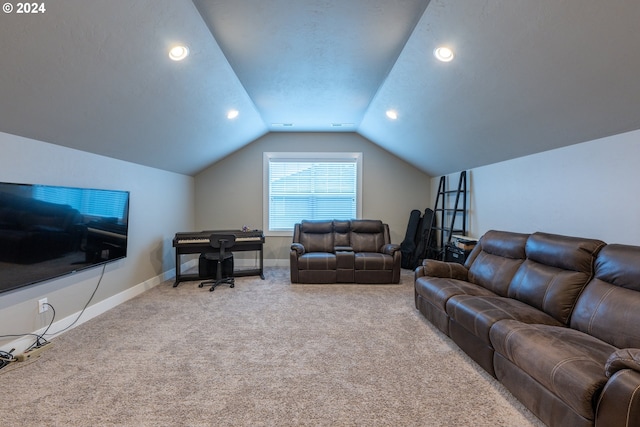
(324, 188)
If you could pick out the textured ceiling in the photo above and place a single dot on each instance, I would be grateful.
(528, 76)
(312, 64)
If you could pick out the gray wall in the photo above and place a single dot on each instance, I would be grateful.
(229, 193)
(161, 203)
(585, 190)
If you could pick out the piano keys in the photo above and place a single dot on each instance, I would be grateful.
(198, 242)
(199, 237)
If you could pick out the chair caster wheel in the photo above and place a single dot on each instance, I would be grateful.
(212, 289)
(200, 285)
(232, 286)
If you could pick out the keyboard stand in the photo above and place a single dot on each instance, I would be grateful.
(201, 247)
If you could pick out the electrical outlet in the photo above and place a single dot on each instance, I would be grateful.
(43, 305)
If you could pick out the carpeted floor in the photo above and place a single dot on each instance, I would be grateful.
(266, 353)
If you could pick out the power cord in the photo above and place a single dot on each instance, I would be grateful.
(7, 358)
(41, 341)
(104, 266)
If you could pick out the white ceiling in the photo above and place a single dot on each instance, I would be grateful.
(529, 76)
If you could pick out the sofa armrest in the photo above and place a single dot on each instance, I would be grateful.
(390, 248)
(626, 358)
(298, 248)
(343, 249)
(619, 402)
(447, 270)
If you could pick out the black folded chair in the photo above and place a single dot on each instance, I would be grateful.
(221, 242)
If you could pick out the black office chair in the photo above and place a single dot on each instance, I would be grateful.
(221, 242)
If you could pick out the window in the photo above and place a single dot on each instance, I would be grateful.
(301, 186)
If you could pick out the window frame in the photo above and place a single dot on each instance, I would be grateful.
(355, 157)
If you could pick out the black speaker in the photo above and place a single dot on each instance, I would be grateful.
(454, 254)
(208, 265)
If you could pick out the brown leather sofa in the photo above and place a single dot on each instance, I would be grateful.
(355, 251)
(555, 319)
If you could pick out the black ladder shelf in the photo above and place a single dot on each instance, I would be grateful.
(450, 209)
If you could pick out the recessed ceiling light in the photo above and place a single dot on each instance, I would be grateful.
(178, 52)
(443, 53)
(232, 114)
(392, 114)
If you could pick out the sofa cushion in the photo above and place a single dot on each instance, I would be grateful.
(496, 259)
(609, 306)
(477, 314)
(373, 261)
(367, 235)
(556, 271)
(438, 290)
(567, 362)
(317, 261)
(366, 226)
(317, 236)
(341, 232)
(565, 252)
(619, 265)
(316, 227)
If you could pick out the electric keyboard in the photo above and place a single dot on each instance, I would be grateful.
(198, 242)
(199, 237)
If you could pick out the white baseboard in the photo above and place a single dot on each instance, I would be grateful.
(250, 263)
(21, 344)
(63, 325)
(276, 263)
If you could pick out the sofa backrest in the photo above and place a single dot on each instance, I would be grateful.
(317, 236)
(368, 235)
(609, 306)
(341, 230)
(495, 260)
(362, 235)
(555, 272)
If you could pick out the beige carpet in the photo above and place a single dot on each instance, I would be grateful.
(266, 353)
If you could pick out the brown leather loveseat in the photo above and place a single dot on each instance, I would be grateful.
(555, 319)
(343, 251)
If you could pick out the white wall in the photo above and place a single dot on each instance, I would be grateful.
(585, 190)
(229, 193)
(161, 203)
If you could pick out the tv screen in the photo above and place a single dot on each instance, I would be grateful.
(48, 231)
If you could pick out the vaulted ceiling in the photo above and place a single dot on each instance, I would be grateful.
(528, 76)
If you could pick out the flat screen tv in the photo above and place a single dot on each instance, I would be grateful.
(48, 231)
